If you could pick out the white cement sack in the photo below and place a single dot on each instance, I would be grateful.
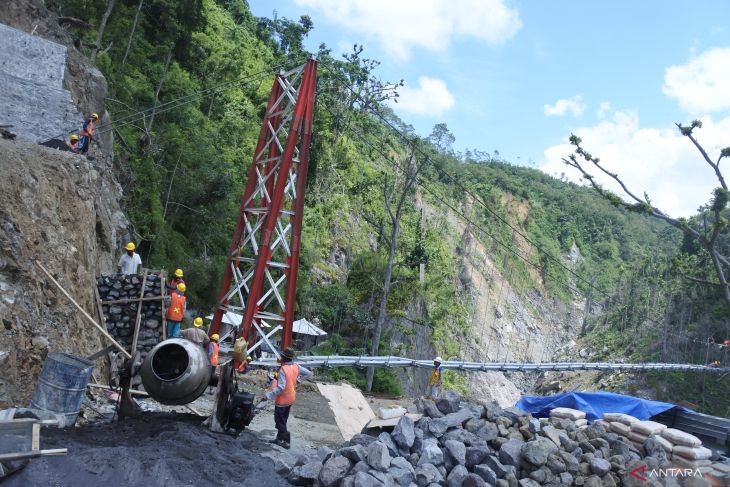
(638, 437)
(664, 443)
(581, 422)
(567, 413)
(389, 413)
(683, 462)
(620, 428)
(680, 437)
(648, 427)
(605, 424)
(620, 418)
(692, 453)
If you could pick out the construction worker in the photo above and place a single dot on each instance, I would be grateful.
(176, 279)
(130, 260)
(73, 143)
(283, 392)
(213, 356)
(434, 382)
(87, 132)
(242, 366)
(714, 365)
(196, 334)
(176, 303)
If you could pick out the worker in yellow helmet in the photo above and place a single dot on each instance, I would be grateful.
(196, 334)
(213, 356)
(176, 303)
(130, 261)
(73, 143)
(177, 278)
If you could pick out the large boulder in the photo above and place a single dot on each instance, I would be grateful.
(537, 452)
(304, 474)
(386, 440)
(489, 476)
(511, 453)
(458, 418)
(448, 402)
(456, 476)
(378, 456)
(474, 480)
(355, 453)
(427, 474)
(476, 455)
(333, 470)
(404, 433)
(457, 451)
(431, 410)
(431, 453)
(363, 479)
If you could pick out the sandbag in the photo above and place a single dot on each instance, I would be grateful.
(581, 422)
(692, 453)
(620, 418)
(620, 428)
(605, 424)
(684, 462)
(680, 437)
(648, 428)
(638, 437)
(567, 413)
(664, 443)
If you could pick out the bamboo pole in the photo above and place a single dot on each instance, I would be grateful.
(132, 300)
(138, 320)
(83, 312)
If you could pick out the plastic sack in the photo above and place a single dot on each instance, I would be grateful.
(648, 428)
(680, 437)
(567, 413)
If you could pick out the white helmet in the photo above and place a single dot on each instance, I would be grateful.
(438, 359)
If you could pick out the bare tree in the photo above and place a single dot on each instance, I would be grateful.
(102, 28)
(395, 196)
(131, 33)
(707, 237)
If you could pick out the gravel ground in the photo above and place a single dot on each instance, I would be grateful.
(157, 449)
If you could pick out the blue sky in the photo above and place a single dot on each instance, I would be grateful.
(519, 76)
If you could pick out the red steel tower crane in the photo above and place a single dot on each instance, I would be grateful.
(260, 277)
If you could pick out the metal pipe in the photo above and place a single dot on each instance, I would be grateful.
(317, 361)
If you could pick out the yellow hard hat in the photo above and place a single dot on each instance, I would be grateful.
(95, 116)
(74, 137)
(248, 358)
(178, 273)
(198, 322)
(130, 246)
(214, 336)
(181, 287)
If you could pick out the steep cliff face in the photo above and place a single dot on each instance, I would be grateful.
(62, 211)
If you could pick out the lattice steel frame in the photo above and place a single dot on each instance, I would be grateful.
(260, 277)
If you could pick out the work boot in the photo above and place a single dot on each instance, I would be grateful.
(286, 443)
(278, 439)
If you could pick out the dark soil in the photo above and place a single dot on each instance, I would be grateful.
(160, 449)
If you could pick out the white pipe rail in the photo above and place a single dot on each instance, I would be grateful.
(324, 361)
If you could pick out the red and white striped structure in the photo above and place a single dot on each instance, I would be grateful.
(260, 278)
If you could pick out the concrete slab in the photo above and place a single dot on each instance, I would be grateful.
(352, 412)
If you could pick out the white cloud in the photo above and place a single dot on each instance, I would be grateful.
(702, 85)
(401, 25)
(573, 105)
(659, 161)
(430, 98)
(603, 109)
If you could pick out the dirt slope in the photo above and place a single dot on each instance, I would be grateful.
(60, 209)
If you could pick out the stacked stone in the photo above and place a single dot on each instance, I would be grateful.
(120, 317)
(685, 451)
(457, 444)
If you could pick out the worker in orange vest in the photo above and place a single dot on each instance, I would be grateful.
(176, 310)
(87, 132)
(283, 392)
(176, 279)
(213, 356)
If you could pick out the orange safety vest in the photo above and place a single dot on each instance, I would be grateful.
(176, 311)
(289, 394)
(213, 352)
(89, 130)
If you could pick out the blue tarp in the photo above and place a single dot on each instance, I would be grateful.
(594, 404)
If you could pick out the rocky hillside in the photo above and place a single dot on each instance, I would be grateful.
(62, 211)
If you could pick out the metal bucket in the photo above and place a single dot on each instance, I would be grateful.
(61, 386)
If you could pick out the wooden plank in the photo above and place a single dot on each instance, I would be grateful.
(83, 312)
(132, 300)
(138, 320)
(134, 392)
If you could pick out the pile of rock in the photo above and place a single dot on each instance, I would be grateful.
(457, 444)
(120, 317)
(682, 449)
